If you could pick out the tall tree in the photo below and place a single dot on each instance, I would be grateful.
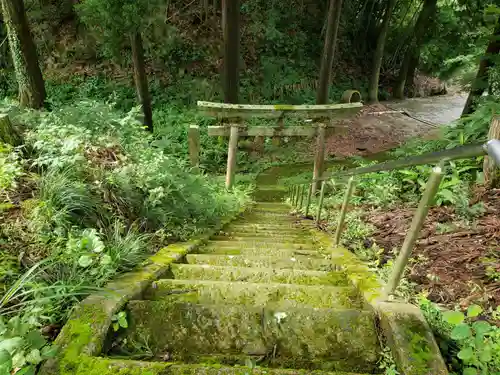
(413, 51)
(231, 31)
(334, 12)
(24, 55)
(379, 53)
(487, 61)
(141, 79)
(120, 22)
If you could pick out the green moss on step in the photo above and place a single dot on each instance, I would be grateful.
(324, 339)
(255, 294)
(257, 275)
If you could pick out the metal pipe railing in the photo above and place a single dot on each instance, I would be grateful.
(491, 148)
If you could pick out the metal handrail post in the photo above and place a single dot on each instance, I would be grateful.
(343, 211)
(416, 226)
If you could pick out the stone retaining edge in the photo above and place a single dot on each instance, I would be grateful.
(84, 333)
(402, 325)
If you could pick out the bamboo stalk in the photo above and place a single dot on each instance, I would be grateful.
(320, 203)
(292, 195)
(343, 211)
(416, 226)
(308, 201)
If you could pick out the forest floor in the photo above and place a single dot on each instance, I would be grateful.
(455, 262)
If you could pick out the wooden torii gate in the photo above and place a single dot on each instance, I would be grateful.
(322, 116)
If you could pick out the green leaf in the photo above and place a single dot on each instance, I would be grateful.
(453, 317)
(30, 370)
(4, 369)
(116, 327)
(481, 327)
(470, 371)
(84, 261)
(49, 351)
(18, 360)
(34, 357)
(461, 332)
(485, 355)
(5, 359)
(466, 354)
(474, 311)
(35, 339)
(12, 344)
(122, 321)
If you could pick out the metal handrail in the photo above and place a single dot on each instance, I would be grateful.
(491, 148)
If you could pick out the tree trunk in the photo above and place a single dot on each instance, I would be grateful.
(141, 79)
(231, 25)
(490, 169)
(379, 54)
(24, 55)
(410, 76)
(325, 74)
(423, 21)
(8, 134)
(487, 61)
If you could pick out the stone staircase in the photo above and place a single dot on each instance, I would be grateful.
(262, 297)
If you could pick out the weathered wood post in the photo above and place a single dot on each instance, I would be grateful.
(490, 169)
(297, 196)
(8, 134)
(416, 226)
(320, 203)
(308, 201)
(320, 156)
(231, 156)
(302, 191)
(194, 145)
(343, 212)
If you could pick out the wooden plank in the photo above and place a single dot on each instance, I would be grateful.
(332, 111)
(264, 131)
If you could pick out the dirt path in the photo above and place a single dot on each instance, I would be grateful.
(377, 129)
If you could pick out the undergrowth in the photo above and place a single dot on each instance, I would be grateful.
(90, 195)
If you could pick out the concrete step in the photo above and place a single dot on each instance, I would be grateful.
(258, 251)
(282, 229)
(210, 366)
(257, 275)
(299, 241)
(254, 243)
(267, 235)
(297, 262)
(271, 295)
(240, 370)
(326, 339)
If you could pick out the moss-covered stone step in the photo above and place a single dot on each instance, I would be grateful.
(267, 235)
(112, 366)
(241, 370)
(258, 251)
(257, 275)
(305, 338)
(299, 241)
(291, 230)
(297, 262)
(280, 296)
(266, 245)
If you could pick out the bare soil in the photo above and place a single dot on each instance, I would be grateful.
(375, 129)
(459, 267)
